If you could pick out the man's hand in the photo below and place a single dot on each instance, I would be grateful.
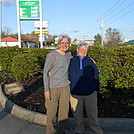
(47, 95)
(49, 74)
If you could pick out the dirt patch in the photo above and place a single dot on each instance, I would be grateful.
(116, 105)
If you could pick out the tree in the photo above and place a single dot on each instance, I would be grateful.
(98, 39)
(6, 31)
(113, 36)
(50, 39)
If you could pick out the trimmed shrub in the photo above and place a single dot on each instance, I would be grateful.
(25, 66)
(73, 48)
(124, 68)
(6, 56)
(40, 54)
(116, 66)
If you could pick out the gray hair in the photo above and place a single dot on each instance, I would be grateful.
(64, 36)
(82, 44)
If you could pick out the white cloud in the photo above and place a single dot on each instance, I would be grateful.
(72, 30)
(75, 30)
(131, 31)
(68, 29)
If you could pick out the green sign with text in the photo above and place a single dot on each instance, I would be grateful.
(29, 10)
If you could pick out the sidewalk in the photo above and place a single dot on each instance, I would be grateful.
(17, 120)
(9, 124)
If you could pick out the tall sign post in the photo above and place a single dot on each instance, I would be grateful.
(18, 23)
(28, 10)
(41, 40)
(0, 21)
(37, 25)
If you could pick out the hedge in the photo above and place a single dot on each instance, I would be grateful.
(25, 66)
(116, 64)
(6, 56)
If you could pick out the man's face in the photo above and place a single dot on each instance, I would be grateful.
(82, 51)
(64, 44)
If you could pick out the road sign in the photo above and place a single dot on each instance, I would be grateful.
(44, 31)
(29, 9)
(56, 40)
(44, 24)
(43, 38)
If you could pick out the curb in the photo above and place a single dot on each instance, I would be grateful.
(110, 124)
(21, 112)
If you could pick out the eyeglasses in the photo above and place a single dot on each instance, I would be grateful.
(64, 43)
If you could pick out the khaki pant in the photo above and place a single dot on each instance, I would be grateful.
(59, 102)
(90, 104)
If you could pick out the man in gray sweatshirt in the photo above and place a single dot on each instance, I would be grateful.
(56, 86)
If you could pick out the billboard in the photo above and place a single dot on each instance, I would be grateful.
(29, 9)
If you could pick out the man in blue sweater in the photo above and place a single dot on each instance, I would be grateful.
(84, 78)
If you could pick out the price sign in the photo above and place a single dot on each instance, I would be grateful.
(29, 10)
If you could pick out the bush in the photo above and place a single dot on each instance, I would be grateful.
(124, 68)
(25, 66)
(40, 54)
(6, 56)
(116, 66)
(73, 48)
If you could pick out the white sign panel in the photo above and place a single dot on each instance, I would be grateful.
(44, 24)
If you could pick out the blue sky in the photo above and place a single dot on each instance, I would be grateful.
(78, 18)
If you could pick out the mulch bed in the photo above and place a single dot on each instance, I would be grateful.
(116, 105)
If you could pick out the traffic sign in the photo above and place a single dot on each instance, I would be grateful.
(44, 31)
(44, 24)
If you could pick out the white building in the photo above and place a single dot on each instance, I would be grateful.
(89, 42)
(9, 41)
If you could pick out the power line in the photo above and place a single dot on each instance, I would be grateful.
(94, 24)
(121, 11)
(122, 16)
(110, 9)
(116, 7)
(106, 12)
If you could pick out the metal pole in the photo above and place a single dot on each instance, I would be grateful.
(0, 22)
(102, 25)
(18, 22)
(41, 37)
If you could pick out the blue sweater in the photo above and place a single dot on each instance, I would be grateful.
(84, 76)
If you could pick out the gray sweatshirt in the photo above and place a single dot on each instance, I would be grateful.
(57, 64)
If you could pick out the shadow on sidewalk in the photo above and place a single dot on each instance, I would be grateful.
(7, 110)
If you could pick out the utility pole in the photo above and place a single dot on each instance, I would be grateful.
(102, 27)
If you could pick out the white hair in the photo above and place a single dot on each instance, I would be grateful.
(82, 44)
